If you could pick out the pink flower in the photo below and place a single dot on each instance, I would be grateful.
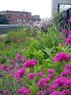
(67, 67)
(40, 74)
(5, 92)
(24, 59)
(4, 67)
(31, 76)
(68, 40)
(65, 31)
(62, 57)
(30, 63)
(18, 56)
(55, 93)
(51, 71)
(61, 82)
(43, 82)
(19, 74)
(24, 91)
(65, 92)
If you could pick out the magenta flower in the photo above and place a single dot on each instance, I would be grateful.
(67, 67)
(65, 92)
(61, 82)
(51, 71)
(55, 93)
(68, 40)
(18, 56)
(30, 63)
(24, 91)
(66, 73)
(5, 92)
(65, 31)
(40, 74)
(41, 83)
(19, 74)
(62, 57)
(31, 76)
(24, 59)
(4, 67)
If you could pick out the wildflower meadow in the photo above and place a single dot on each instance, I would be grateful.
(36, 62)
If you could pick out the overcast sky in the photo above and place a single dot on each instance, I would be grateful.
(37, 7)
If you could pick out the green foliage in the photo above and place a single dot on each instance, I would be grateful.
(34, 45)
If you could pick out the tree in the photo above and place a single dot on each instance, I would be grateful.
(3, 19)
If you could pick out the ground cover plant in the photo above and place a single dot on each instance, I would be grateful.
(36, 63)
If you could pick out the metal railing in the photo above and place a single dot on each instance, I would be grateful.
(4, 29)
(64, 23)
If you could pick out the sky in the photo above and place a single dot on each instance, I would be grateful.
(36, 7)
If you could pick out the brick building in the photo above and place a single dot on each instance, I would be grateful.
(20, 18)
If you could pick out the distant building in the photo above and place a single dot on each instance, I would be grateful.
(20, 18)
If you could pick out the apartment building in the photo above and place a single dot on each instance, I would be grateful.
(20, 18)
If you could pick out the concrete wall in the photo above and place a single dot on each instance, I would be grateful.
(55, 5)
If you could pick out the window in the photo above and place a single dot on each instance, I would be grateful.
(24, 20)
(17, 20)
(17, 14)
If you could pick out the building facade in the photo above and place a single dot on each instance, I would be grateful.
(56, 3)
(20, 18)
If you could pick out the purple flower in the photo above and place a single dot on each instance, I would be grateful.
(40, 74)
(24, 59)
(68, 40)
(4, 67)
(31, 76)
(65, 31)
(69, 83)
(5, 92)
(30, 63)
(24, 91)
(19, 74)
(51, 71)
(62, 57)
(68, 66)
(66, 73)
(18, 56)
(41, 83)
(65, 92)
(55, 93)
(61, 82)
